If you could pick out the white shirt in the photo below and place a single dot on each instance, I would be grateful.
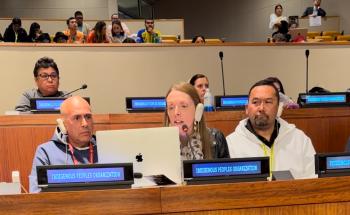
(274, 19)
(292, 149)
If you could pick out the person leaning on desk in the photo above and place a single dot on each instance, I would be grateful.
(72, 143)
(264, 134)
(47, 79)
(184, 110)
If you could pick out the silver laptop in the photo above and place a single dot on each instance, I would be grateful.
(153, 151)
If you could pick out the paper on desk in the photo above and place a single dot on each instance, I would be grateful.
(315, 21)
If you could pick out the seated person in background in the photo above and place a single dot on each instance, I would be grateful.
(114, 18)
(14, 32)
(47, 77)
(98, 34)
(74, 36)
(276, 17)
(287, 101)
(149, 34)
(34, 32)
(198, 39)
(117, 35)
(129, 40)
(44, 38)
(263, 134)
(282, 34)
(82, 27)
(60, 37)
(201, 83)
(316, 10)
(197, 141)
(76, 145)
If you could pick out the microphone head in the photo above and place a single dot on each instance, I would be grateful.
(307, 52)
(184, 128)
(84, 86)
(221, 54)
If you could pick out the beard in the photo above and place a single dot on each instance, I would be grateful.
(261, 122)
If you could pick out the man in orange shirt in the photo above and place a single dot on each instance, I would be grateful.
(74, 36)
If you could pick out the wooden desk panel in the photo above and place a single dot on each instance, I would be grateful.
(311, 196)
(129, 201)
(328, 128)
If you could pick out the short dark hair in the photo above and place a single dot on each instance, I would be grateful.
(195, 77)
(78, 13)
(265, 82)
(149, 19)
(276, 80)
(45, 62)
(69, 19)
(17, 20)
(197, 36)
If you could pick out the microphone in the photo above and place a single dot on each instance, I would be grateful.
(221, 55)
(184, 128)
(84, 86)
(307, 53)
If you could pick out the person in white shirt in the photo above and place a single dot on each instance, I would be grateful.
(264, 134)
(277, 17)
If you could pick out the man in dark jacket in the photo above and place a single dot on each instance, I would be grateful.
(14, 32)
(316, 10)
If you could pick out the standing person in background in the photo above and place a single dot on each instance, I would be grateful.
(15, 33)
(98, 34)
(74, 36)
(277, 17)
(82, 27)
(149, 34)
(316, 10)
(114, 18)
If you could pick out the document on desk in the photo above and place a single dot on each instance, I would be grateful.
(315, 21)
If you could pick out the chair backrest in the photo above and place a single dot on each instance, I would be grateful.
(343, 38)
(313, 34)
(325, 38)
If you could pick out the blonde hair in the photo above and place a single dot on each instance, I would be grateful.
(201, 129)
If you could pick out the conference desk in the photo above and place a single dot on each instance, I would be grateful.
(328, 129)
(309, 196)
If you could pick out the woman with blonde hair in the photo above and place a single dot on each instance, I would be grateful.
(184, 110)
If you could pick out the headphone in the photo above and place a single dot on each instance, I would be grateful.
(198, 115)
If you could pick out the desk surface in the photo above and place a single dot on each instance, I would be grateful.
(310, 196)
(328, 129)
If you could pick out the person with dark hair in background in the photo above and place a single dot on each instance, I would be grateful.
(149, 34)
(117, 34)
(262, 133)
(47, 77)
(73, 141)
(44, 38)
(287, 101)
(183, 107)
(82, 27)
(316, 10)
(200, 83)
(34, 32)
(198, 39)
(98, 34)
(115, 18)
(74, 36)
(282, 34)
(14, 32)
(60, 37)
(129, 40)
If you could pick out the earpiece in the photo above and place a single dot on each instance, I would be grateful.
(199, 112)
(60, 125)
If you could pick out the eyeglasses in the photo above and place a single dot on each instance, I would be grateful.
(45, 76)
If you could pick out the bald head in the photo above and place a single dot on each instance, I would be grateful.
(77, 119)
(72, 103)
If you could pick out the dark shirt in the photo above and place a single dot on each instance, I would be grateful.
(310, 10)
(273, 137)
(10, 35)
